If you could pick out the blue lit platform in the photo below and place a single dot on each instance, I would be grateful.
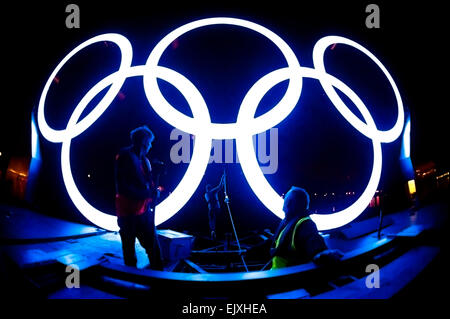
(406, 247)
(23, 225)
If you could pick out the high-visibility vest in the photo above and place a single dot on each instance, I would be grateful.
(278, 261)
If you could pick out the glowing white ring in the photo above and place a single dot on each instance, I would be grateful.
(57, 136)
(216, 130)
(384, 136)
(269, 196)
(200, 125)
(176, 200)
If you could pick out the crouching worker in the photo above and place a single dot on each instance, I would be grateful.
(297, 240)
(136, 196)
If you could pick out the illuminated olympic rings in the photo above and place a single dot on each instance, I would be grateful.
(200, 124)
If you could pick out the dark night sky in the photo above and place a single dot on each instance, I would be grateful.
(409, 43)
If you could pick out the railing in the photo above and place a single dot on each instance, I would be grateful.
(256, 283)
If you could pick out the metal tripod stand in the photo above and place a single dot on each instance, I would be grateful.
(227, 201)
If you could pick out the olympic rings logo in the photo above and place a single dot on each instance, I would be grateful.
(205, 131)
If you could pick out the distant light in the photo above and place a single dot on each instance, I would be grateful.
(437, 177)
(175, 44)
(11, 170)
(412, 186)
(121, 96)
(0, 153)
(89, 175)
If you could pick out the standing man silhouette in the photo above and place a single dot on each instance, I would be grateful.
(212, 198)
(136, 196)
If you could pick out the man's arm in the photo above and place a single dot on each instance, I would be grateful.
(220, 186)
(128, 179)
(153, 185)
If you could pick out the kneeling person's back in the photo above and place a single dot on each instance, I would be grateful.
(298, 243)
(297, 240)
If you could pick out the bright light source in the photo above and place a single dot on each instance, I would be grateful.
(412, 186)
(406, 146)
(34, 139)
(200, 124)
(368, 130)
